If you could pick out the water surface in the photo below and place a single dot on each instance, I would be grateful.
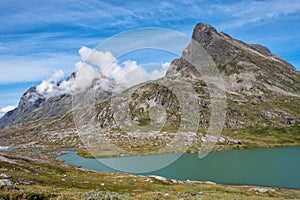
(278, 167)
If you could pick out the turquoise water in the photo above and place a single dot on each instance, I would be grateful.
(278, 167)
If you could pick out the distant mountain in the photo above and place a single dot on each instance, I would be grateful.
(34, 106)
(263, 97)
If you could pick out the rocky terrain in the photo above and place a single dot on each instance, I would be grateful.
(262, 110)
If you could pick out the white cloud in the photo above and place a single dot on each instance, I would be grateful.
(99, 58)
(53, 86)
(98, 69)
(85, 75)
(127, 74)
(7, 109)
(162, 72)
(50, 86)
(131, 74)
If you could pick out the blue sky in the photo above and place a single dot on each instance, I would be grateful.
(40, 37)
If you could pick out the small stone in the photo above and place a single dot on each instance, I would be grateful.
(209, 182)
(262, 190)
(5, 176)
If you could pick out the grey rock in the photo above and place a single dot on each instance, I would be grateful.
(5, 183)
(5, 176)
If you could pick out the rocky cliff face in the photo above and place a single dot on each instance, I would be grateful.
(34, 106)
(262, 88)
(30, 101)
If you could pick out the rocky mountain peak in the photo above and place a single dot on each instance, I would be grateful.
(31, 98)
(219, 45)
(30, 101)
(204, 33)
(245, 66)
(223, 47)
(34, 105)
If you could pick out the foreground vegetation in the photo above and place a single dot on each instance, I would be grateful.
(37, 179)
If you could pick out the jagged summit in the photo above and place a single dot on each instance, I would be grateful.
(36, 104)
(201, 27)
(204, 32)
(221, 46)
(244, 65)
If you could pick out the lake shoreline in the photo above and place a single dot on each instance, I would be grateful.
(84, 153)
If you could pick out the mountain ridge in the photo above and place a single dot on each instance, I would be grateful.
(262, 97)
(234, 57)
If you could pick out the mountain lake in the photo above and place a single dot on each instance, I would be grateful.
(278, 167)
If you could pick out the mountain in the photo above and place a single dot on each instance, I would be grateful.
(245, 65)
(262, 103)
(34, 106)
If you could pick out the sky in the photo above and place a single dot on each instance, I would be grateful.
(37, 38)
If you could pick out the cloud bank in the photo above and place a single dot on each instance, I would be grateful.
(99, 70)
(53, 86)
(127, 74)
